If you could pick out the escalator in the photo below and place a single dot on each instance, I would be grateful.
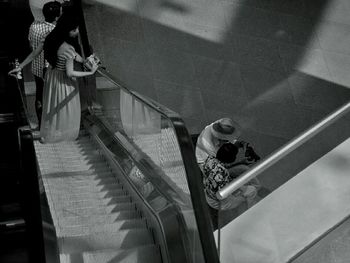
(95, 218)
(120, 193)
(113, 196)
(129, 190)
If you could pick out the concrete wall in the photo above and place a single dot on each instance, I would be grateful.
(274, 66)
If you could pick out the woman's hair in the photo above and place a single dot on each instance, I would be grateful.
(227, 153)
(66, 23)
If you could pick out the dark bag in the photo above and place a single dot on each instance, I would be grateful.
(251, 155)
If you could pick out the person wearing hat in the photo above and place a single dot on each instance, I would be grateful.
(216, 134)
(213, 136)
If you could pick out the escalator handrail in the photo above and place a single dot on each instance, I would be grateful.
(161, 109)
(150, 170)
(136, 190)
(283, 151)
(24, 115)
(193, 174)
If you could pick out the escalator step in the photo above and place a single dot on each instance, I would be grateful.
(79, 167)
(83, 189)
(116, 192)
(90, 208)
(101, 228)
(123, 239)
(92, 204)
(62, 200)
(142, 254)
(79, 220)
(75, 183)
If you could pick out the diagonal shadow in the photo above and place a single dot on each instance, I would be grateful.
(62, 104)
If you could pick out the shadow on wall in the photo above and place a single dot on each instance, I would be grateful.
(259, 61)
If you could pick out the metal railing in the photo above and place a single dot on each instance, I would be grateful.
(283, 151)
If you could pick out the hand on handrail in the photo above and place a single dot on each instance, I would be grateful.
(92, 62)
(14, 71)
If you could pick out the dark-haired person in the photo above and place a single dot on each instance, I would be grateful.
(61, 103)
(217, 173)
(37, 33)
(216, 134)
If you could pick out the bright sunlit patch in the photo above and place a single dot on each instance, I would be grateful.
(36, 8)
(124, 5)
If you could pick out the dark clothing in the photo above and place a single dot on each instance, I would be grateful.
(39, 83)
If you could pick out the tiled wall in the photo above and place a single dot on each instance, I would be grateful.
(275, 66)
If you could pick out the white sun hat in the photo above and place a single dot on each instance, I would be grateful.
(226, 129)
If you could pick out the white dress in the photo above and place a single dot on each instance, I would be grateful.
(61, 105)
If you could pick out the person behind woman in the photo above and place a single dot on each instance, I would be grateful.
(218, 172)
(37, 32)
(61, 103)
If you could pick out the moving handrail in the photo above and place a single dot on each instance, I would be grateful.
(22, 104)
(283, 151)
(155, 106)
(25, 113)
(192, 171)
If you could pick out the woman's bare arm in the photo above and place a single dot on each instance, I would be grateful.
(74, 73)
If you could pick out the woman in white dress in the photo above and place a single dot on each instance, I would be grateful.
(61, 103)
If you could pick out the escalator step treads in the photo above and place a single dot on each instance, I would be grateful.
(122, 239)
(89, 211)
(96, 219)
(62, 171)
(82, 230)
(81, 205)
(74, 150)
(76, 167)
(82, 181)
(91, 206)
(69, 154)
(143, 254)
(83, 189)
(64, 150)
(49, 173)
(72, 147)
(70, 159)
(116, 192)
(73, 183)
(91, 201)
(83, 175)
